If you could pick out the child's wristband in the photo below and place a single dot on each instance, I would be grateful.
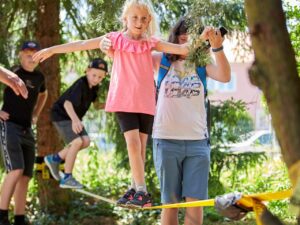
(217, 49)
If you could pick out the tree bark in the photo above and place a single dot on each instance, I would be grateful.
(48, 34)
(275, 73)
(269, 219)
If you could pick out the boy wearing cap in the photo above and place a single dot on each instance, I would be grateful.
(16, 136)
(66, 115)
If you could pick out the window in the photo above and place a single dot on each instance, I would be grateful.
(230, 86)
(265, 139)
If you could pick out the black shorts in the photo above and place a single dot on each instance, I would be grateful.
(131, 121)
(17, 147)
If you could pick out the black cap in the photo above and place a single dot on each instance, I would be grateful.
(98, 64)
(32, 45)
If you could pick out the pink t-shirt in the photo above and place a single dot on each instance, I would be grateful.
(131, 86)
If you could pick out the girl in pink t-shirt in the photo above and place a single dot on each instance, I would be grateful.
(131, 92)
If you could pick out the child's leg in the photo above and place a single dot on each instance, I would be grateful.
(71, 154)
(20, 194)
(64, 152)
(169, 217)
(194, 215)
(8, 187)
(143, 138)
(136, 161)
(75, 146)
(11, 149)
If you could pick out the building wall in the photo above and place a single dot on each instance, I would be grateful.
(240, 88)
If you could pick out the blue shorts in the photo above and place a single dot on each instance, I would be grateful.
(182, 167)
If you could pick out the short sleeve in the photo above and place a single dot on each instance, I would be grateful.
(113, 36)
(153, 41)
(43, 85)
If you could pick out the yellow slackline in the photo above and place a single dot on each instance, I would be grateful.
(253, 202)
(294, 173)
(209, 202)
(95, 196)
(245, 201)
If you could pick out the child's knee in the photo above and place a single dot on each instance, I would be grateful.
(77, 143)
(85, 142)
(133, 142)
(18, 173)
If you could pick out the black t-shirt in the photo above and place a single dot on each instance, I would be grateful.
(19, 109)
(80, 95)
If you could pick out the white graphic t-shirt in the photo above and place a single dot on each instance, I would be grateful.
(180, 111)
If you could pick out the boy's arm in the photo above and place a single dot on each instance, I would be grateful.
(13, 81)
(89, 44)
(40, 103)
(76, 123)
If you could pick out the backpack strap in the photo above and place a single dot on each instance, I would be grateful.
(163, 70)
(201, 71)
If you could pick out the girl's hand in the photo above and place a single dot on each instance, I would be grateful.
(205, 33)
(4, 115)
(42, 55)
(215, 38)
(18, 86)
(105, 44)
(34, 119)
(77, 126)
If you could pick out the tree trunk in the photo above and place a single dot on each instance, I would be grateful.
(48, 34)
(274, 72)
(268, 218)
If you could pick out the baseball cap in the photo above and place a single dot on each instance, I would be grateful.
(32, 45)
(98, 64)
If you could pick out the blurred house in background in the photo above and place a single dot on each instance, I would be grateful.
(240, 87)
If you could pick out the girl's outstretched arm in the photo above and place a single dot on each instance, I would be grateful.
(89, 44)
(167, 47)
(182, 49)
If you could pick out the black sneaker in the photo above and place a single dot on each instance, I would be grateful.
(23, 223)
(126, 197)
(141, 199)
(5, 222)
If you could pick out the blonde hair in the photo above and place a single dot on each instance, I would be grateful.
(146, 4)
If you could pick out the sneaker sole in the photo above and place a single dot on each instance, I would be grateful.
(132, 206)
(122, 205)
(71, 187)
(51, 171)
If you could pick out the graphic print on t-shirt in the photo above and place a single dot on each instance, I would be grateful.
(176, 87)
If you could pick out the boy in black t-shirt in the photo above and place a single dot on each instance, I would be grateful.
(16, 136)
(67, 113)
